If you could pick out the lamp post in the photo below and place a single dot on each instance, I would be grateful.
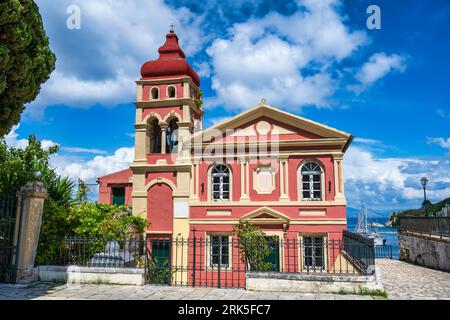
(424, 182)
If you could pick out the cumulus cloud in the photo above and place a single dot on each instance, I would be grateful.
(378, 66)
(90, 170)
(285, 59)
(68, 163)
(98, 63)
(386, 183)
(12, 140)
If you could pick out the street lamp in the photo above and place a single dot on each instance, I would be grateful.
(424, 182)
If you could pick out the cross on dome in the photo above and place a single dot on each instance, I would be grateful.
(172, 28)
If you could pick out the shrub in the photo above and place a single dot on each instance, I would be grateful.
(253, 244)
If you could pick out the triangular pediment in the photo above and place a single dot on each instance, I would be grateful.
(264, 118)
(265, 215)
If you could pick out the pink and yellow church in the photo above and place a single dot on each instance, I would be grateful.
(265, 166)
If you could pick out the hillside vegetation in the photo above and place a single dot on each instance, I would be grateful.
(431, 211)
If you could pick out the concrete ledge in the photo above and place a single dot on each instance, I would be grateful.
(80, 275)
(309, 283)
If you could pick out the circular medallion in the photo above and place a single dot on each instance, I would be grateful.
(263, 127)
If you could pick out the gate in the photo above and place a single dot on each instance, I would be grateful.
(8, 243)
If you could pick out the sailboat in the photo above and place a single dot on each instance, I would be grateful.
(362, 227)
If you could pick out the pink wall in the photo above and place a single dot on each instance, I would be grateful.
(162, 91)
(327, 164)
(171, 176)
(160, 208)
(203, 178)
(116, 179)
(294, 163)
(332, 212)
(162, 112)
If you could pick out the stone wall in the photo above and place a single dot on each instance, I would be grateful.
(92, 275)
(310, 283)
(425, 250)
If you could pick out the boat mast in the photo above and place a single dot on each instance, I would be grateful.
(361, 226)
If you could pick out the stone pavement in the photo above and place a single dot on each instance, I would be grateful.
(402, 280)
(48, 291)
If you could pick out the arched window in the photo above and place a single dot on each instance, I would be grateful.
(155, 93)
(220, 183)
(155, 137)
(311, 176)
(172, 136)
(171, 92)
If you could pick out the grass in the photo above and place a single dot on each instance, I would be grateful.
(363, 291)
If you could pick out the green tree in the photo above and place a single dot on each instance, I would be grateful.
(32, 163)
(82, 192)
(26, 60)
(253, 244)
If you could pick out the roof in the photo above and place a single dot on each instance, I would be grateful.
(264, 109)
(171, 62)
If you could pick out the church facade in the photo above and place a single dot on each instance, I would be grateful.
(264, 166)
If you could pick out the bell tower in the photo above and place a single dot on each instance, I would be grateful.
(167, 104)
(168, 112)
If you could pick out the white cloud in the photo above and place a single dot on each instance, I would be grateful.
(285, 59)
(442, 142)
(387, 183)
(12, 141)
(443, 113)
(203, 69)
(99, 63)
(90, 170)
(68, 164)
(378, 66)
(83, 150)
(367, 141)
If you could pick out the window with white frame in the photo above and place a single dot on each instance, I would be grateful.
(311, 179)
(313, 252)
(220, 183)
(220, 252)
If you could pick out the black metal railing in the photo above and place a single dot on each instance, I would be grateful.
(384, 251)
(91, 252)
(213, 261)
(8, 213)
(438, 226)
(360, 251)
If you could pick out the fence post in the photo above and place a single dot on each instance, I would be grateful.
(32, 197)
(194, 243)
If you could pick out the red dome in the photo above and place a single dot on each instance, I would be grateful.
(171, 62)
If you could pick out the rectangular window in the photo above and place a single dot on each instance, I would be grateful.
(219, 251)
(313, 252)
(118, 196)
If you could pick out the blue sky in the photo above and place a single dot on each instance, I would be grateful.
(388, 87)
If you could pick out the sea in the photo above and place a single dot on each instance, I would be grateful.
(387, 233)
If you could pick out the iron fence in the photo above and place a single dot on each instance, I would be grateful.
(438, 226)
(91, 252)
(384, 251)
(8, 245)
(360, 251)
(213, 260)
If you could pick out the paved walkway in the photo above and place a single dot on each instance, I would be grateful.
(403, 280)
(48, 291)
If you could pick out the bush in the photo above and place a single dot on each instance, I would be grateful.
(90, 220)
(253, 244)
